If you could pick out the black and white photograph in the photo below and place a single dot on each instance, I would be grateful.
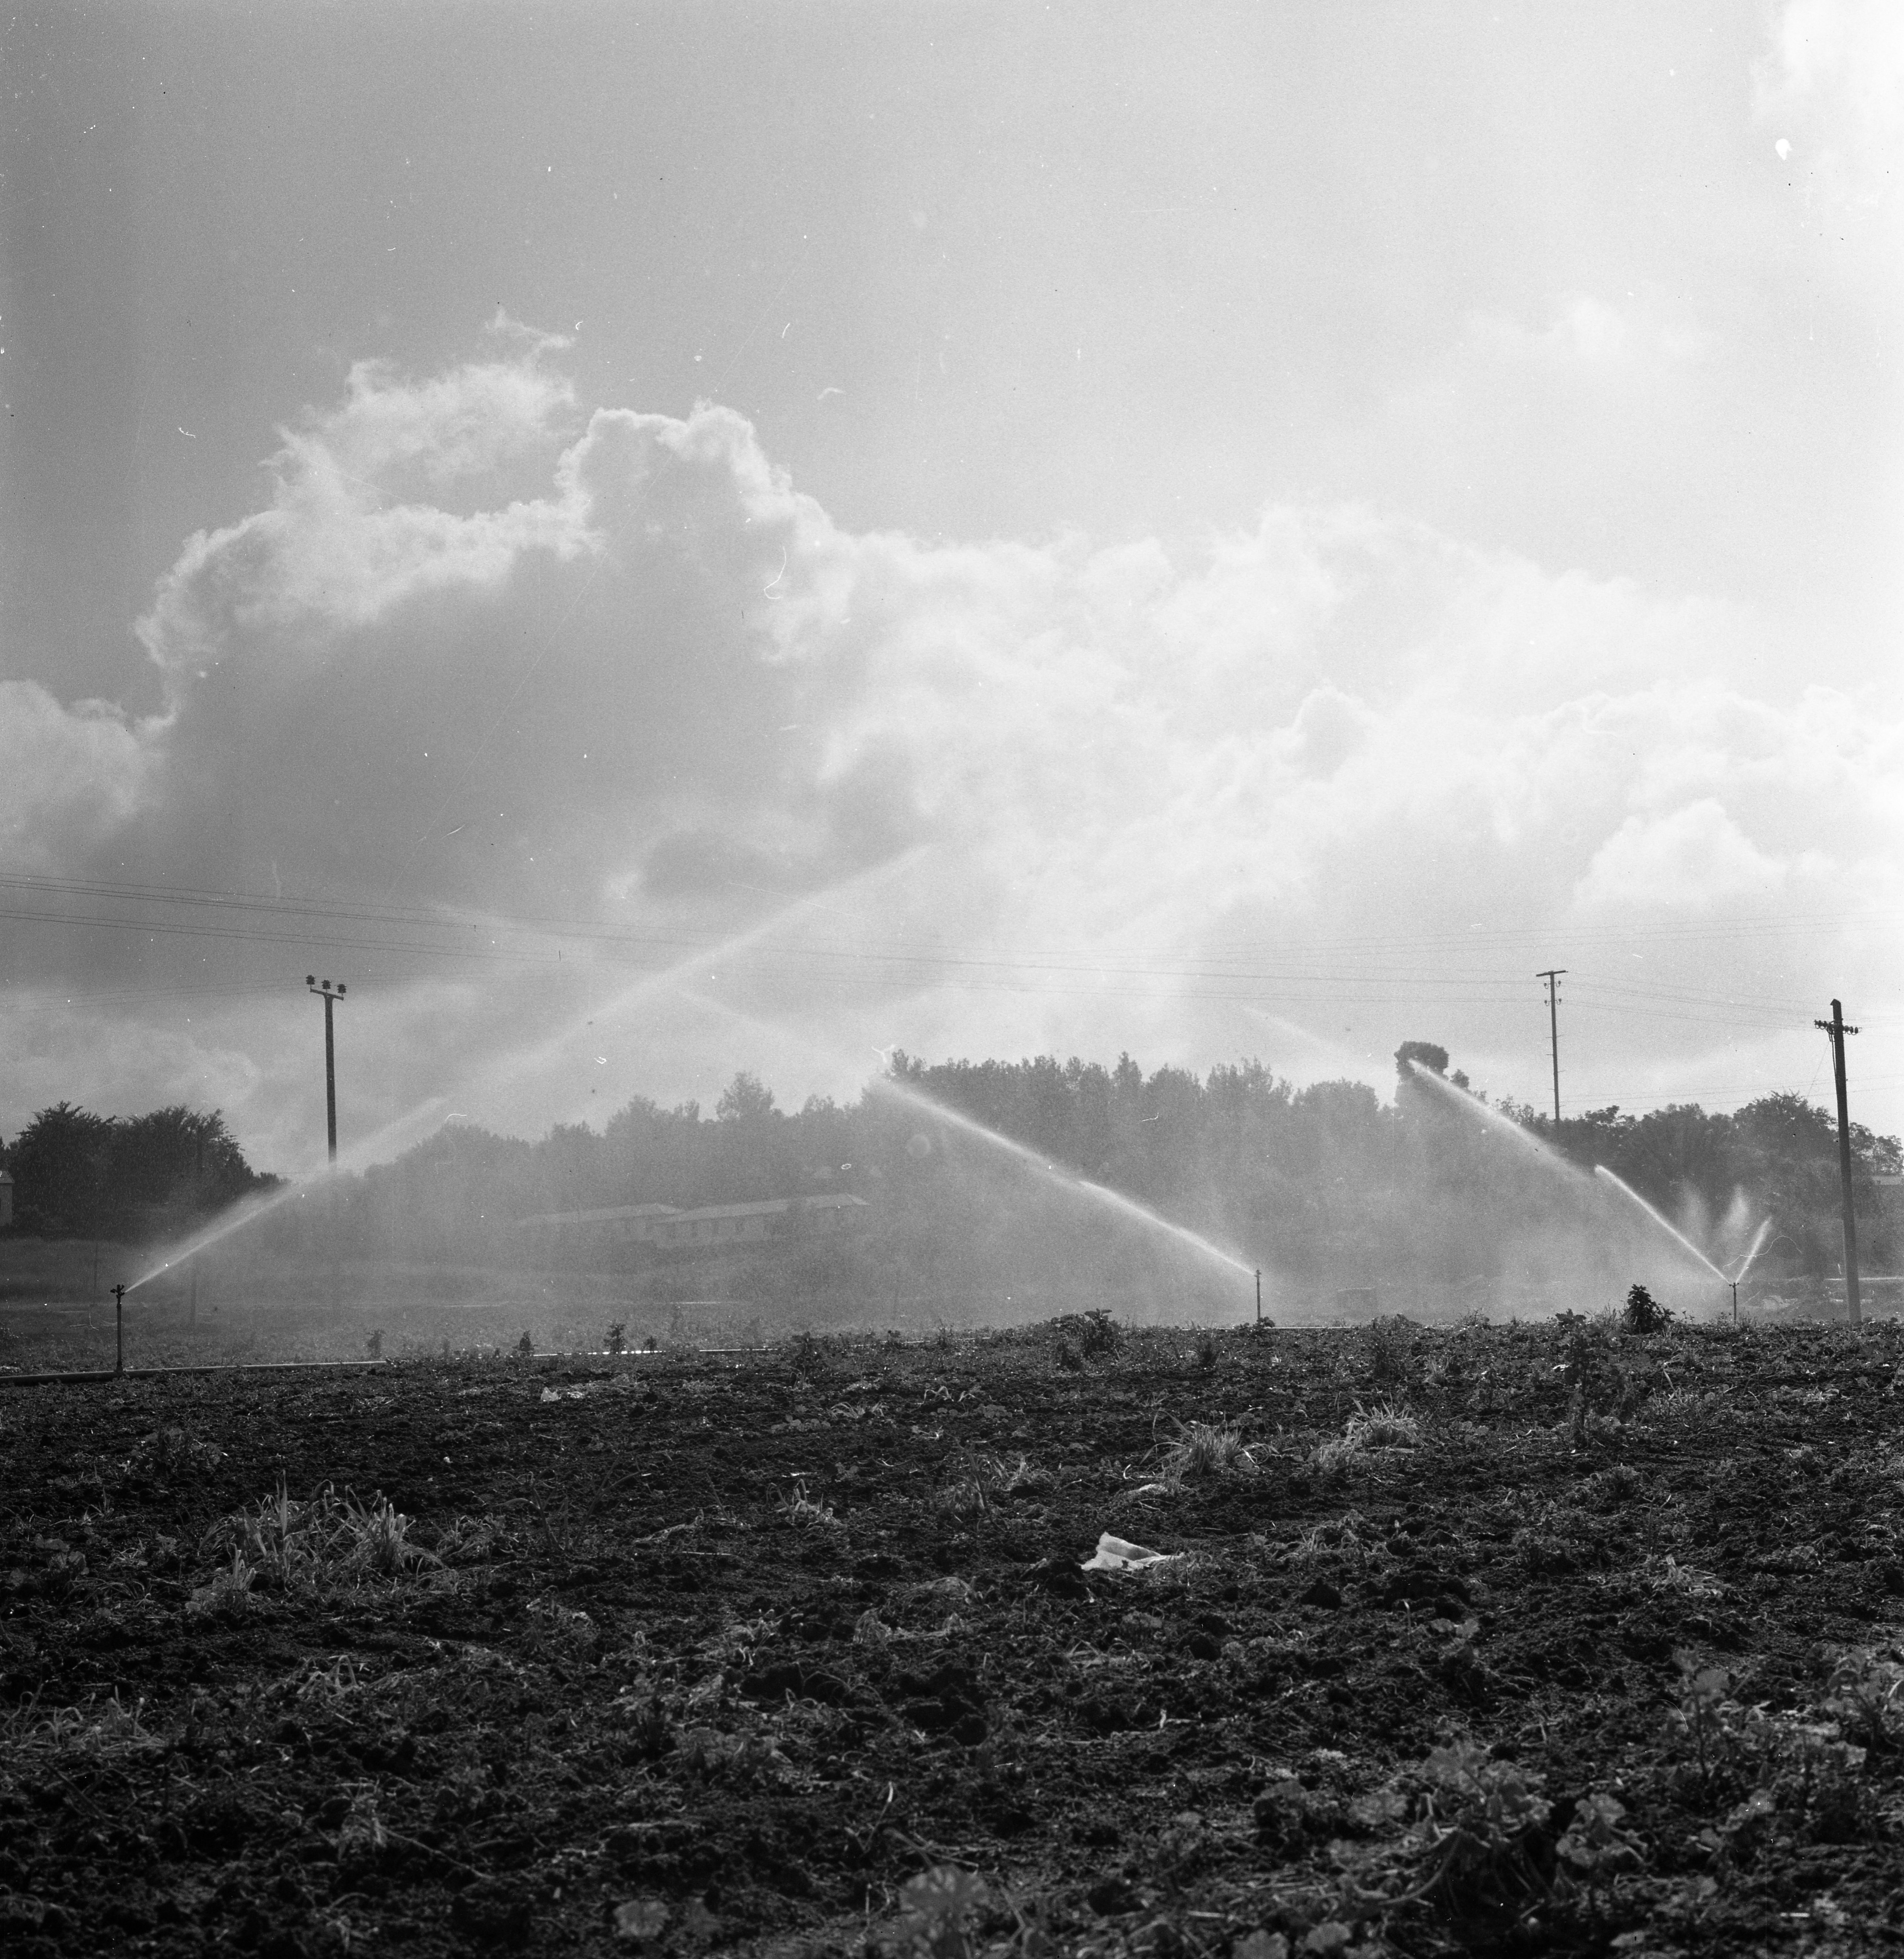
(951, 953)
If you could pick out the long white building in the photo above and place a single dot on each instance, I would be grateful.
(662, 1224)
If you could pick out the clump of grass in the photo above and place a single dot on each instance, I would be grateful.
(289, 1544)
(1204, 1449)
(1386, 1425)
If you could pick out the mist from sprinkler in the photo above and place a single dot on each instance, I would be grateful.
(1752, 1249)
(1671, 1230)
(415, 1121)
(1466, 1100)
(1127, 1208)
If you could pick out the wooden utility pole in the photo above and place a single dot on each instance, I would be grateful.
(1836, 1029)
(1551, 976)
(330, 991)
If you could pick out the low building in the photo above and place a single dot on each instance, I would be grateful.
(663, 1226)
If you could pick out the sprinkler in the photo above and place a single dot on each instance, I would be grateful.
(119, 1329)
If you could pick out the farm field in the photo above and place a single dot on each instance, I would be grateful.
(1494, 1639)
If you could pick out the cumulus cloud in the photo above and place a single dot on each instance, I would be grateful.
(486, 656)
(69, 777)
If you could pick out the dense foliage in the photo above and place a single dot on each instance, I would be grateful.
(80, 1175)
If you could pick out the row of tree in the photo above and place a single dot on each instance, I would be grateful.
(1326, 1182)
(78, 1175)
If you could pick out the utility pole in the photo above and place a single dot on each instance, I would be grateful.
(1551, 976)
(330, 991)
(1837, 1030)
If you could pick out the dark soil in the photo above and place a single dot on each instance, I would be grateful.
(793, 1652)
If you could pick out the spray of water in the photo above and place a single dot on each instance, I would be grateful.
(1672, 1230)
(1494, 1120)
(1127, 1208)
(1098, 1193)
(414, 1124)
(1752, 1250)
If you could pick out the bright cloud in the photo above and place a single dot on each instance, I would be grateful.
(481, 656)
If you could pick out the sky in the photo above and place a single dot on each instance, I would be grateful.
(653, 541)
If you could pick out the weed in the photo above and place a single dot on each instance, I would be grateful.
(1865, 1695)
(291, 1545)
(1667, 1574)
(1207, 1449)
(934, 1909)
(228, 1595)
(616, 1339)
(1092, 1334)
(1703, 1693)
(1008, 1477)
(803, 1512)
(1479, 1842)
(966, 1498)
(1206, 1354)
(1384, 1426)
(1594, 1846)
(373, 1346)
(525, 1346)
(169, 1453)
(1643, 1313)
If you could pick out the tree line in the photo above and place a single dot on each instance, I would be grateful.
(1326, 1180)
(79, 1175)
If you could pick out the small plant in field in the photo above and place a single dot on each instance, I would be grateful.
(1206, 1354)
(1007, 1477)
(1092, 1335)
(803, 1512)
(1207, 1449)
(616, 1339)
(169, 1453)
(1667, 1574)
(1704, 1692)
(228, 1594)
(1384, 1426)
(293, 1545)
(526, 1347)
(374, 1345)
(966, 1498)
(1865, 1695)
(1643, 1313)
(935, 1910)
(1594, 1847)
(1480, 1843)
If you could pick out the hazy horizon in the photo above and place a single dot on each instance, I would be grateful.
(745, 538)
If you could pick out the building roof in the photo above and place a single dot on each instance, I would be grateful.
(614, 1212)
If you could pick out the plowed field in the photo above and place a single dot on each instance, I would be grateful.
(1533, 1639)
